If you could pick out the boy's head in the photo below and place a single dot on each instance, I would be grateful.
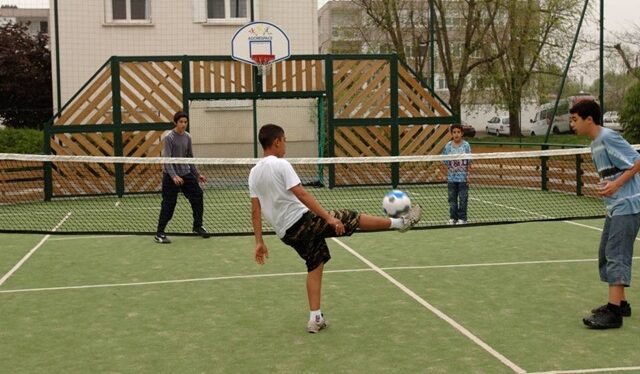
(180, 121)
(269, 135)
(584, 115)
(456, 131)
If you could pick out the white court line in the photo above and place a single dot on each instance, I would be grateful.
(509, 207)
(579, 371)
(89, 237)
(191, 280)
(172, 281)
(435, 311)
(32, 251)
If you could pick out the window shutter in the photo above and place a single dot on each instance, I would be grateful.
(199, 11)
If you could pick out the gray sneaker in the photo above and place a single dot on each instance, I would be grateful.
(314, 326)
(411, 218)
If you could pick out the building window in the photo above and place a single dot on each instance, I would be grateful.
(44, 27)
(128, 11)
(227, 9)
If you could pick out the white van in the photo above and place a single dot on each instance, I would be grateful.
(540, 123)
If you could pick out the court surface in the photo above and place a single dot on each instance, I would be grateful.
(483, 299)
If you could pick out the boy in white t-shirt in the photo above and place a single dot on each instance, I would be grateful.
(299, 220)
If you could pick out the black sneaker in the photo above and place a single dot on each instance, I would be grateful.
(201, 231)
(625, 309)
(161, 238)
(605, 319)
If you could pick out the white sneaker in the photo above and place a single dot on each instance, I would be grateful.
(314, 326)
(462, 222)
(411, 218)
(452, 221)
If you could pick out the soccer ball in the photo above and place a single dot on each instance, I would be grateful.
(396, 203)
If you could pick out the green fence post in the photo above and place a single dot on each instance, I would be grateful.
(186, 86)
(46, 149)
(544, 168)
(395, 136)
(321, 138)
(578, 175)
(117, 124)
(328, 78)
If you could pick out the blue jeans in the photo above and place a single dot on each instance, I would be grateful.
(616, 248)
(458, 198)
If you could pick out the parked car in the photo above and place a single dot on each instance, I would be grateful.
(540, 124)
(498, 125)
(467, 130)
(611, 120)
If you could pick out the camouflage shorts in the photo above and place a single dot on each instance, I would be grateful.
(307, 236)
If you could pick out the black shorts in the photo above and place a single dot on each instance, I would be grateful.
(307, 235)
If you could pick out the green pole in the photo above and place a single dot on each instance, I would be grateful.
(186, 86)
(255, 125)
(544, 168)
(328, 82)
(395, 136)
(601, 95)
(57, 36)
(117, 123)
(321, 138)
(578, 175)
(46, 149)
(566, 70)
(432, 40)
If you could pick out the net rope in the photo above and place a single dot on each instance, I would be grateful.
(122, 195)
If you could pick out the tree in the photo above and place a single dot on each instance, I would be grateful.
(630, 114)
(25, 77)
(526, 31)
(460, 28)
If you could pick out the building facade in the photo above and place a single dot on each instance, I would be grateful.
(37, 20)
(90, 32)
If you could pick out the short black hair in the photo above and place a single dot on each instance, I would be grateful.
(268, 134)
(180, 114)
(587, 108)
(456, 126)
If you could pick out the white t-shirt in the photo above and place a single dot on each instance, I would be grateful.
(270, 181)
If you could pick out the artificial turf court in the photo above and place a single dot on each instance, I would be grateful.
(483, 299)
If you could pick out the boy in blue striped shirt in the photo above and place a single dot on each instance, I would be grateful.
(457, 176)
(617, 164)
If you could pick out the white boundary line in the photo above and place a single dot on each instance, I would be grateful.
(32, 251)
(192, 280)
(578, 371)
(435, 311)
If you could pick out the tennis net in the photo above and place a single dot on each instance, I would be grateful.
(78, 194)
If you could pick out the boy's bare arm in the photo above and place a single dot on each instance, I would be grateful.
(310, 202)
(262, 252)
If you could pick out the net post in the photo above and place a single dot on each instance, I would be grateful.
(544, 169)
(578, 175)
(117, 124)
(48, 182)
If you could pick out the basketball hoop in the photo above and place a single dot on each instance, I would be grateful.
(263, 61)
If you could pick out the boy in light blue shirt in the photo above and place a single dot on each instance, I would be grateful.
(617, 164)
(457, 176)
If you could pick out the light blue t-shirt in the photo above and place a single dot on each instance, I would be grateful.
(613, 155)
(457, 169)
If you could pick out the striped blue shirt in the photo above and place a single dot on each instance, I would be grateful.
(610, 151)
(457, 169)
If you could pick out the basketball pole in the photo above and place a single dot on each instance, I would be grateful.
(254, 101)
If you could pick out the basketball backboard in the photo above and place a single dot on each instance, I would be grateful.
(260, 43)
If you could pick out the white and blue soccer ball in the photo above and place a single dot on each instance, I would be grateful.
(396, 203)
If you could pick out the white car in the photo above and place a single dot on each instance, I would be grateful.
(612, 120)
(499, 126)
